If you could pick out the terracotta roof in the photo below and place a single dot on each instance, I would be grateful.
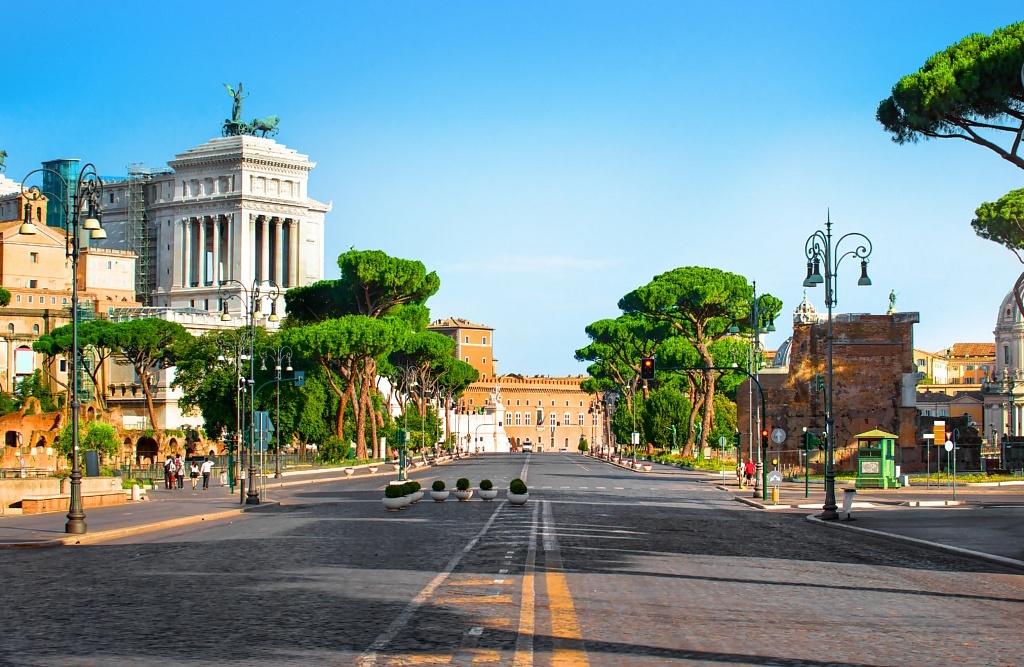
(457, 323)
(973, 350)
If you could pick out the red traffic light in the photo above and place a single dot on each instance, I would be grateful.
(647, 368)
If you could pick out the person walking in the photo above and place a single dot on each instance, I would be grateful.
(206, 469)
(179, 467)
(193, 473)
(748, 470)
(168, 472)
(739, 473)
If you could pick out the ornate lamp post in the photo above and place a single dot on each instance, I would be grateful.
(821, 250)
(235, 354)
(761, 320)
(252, 298)
(84, 214)
(282, 355)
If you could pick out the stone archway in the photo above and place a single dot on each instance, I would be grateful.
(172, 447)
(146, 448)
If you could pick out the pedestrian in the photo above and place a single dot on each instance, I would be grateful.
(169, 473)
(206, 468)
(748, 469)
(193, 472)
(179, 468)
(739, 473)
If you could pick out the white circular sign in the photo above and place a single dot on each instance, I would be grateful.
(948, 446)
(775, 478)
(722, 440)
(778, 436)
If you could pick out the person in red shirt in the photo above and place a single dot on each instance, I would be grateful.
(748, 469)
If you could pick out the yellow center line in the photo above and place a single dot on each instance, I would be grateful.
(527, 613)
(567, 650)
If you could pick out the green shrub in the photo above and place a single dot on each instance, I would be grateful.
(486, 485)
(394, 491)
(334, 450)
(517, 486)
(438, 485)
(462, 484)
(414, 484)
(409, 489)
(130, 482)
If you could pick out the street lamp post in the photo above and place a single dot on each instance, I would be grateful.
(761, 320)
(236, 355)
(281, 356)
(253, 299)
(820, 249)
(86, 200)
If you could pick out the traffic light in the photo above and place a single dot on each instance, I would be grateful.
(811, 441)
(819, 382)
(764, 439)
(647, 368)
(737, 439)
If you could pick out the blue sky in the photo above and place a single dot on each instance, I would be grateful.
(547, 158)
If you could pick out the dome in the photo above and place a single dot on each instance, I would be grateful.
(1008, 314)
(805, 313)
(781, 359)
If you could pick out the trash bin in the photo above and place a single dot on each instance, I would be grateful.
(848, 501)
(904, 480)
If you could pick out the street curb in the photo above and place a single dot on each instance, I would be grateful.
(102, 536)
(937, 546)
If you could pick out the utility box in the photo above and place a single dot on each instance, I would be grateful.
(876, 462)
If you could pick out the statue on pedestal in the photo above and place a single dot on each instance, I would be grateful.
(892, 303)
(235, 126)
(3, 156)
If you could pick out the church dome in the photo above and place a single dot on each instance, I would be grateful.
(805, 313)
(1009, 314)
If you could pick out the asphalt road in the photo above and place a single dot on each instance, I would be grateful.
(602, 567)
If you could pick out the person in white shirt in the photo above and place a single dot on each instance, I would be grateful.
(193, 473)
(206, 468)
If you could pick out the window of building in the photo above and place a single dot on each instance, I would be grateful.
(579, 420)
(567, 443)
(484, 340)
(1006, 354)
(35, 329)
(483, 361)
(10, 328)
(517, 401)
(565, 419)
(943, 413)
(508, 419)
(110, 265)
(526, 416)
(53, 301)
(30, 298)
(519, 419)
(467, 360)
(954, 380)
(552, 404)
(467, 339)
(62, 366)
(551, 418)
(63, 301)
(471, 401)
(985, 367)
(17, 299)
(33, 257)
(970, 367)
(527, 401)
(593, 419)
(927, 413)
(968, 380)
(484, 376)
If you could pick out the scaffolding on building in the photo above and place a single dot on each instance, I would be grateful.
(139, 237)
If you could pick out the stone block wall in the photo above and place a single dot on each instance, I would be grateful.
(872, 354)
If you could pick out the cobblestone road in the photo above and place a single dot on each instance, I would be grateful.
(602, 567)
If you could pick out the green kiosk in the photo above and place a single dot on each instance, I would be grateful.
(876, 464)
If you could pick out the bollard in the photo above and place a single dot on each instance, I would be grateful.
(775, 495)
(848, 502)
(136, 492)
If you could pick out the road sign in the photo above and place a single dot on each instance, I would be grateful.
(949, 446)
(723, 441)
(636, 438)
(775, 478)
(778, 436)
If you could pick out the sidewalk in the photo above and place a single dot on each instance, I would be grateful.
(164, 509)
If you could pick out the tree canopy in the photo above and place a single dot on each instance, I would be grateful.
(970, 91)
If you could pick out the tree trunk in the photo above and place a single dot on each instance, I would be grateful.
(149, 399)
(360, 410)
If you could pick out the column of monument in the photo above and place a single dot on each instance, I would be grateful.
(216, 250)
(201, 278)
(279, 252)
(186, 240)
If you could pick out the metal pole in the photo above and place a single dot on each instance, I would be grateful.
(76, 514)
(829, 509)
(277, 463)
(252, 496)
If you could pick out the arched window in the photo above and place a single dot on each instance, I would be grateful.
(35, 329)
(10, 328)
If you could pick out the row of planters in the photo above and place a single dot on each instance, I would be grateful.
(631, 463)
(400, 496)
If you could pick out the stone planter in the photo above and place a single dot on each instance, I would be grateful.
(394, 504)
(439, 496)
(489, 494)
(395, 466)
(373, 469)
(647, 467)
(463, 495)
(517, 499)
(350, 471)
(416, 496)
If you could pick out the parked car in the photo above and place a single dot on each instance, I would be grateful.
(527, 447)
